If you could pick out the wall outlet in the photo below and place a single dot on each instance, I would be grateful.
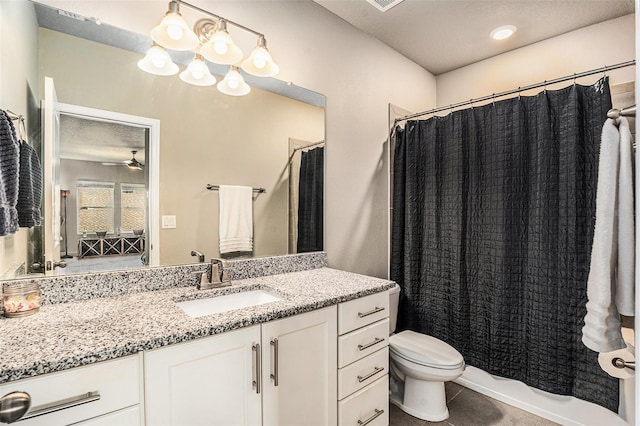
(168, 221)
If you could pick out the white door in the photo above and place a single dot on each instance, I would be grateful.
(209, 381)
(51, 175)
(300, 369)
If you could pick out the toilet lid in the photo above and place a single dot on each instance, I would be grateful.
(425, 350)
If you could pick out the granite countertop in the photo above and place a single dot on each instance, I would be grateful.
(68, 335)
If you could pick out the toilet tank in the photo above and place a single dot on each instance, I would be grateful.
(394, 299)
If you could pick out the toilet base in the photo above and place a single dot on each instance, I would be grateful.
(422, 399)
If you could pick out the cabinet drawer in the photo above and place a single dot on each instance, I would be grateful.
(363, 311)
(355, 376)
(369, 406)
(118, 383)
(362, 342)
(127, 417)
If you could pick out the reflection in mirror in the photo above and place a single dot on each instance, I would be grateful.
(205, 137)
(104, 199)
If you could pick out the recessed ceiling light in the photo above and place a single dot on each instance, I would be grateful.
(503, 32)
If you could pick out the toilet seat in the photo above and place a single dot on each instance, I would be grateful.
(425, 350)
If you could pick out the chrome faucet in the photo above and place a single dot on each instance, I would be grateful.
(216, 276)
(200, 255)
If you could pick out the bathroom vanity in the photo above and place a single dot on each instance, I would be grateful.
(315, 356)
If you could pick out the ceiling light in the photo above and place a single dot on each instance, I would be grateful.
(157, 61)
(503, 32)
(260, 63)
(233, 84)
(220, 48)
(197, 73)
(173, 32)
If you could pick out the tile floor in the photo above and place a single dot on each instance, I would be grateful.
(469, 408)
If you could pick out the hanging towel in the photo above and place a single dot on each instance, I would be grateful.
(9, 171)
(30, 188)
(610, 287)
(236, 219)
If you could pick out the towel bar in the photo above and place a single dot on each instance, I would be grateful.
(217, 187)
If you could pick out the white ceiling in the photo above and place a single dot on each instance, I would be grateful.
(100, 141)
(443, 35)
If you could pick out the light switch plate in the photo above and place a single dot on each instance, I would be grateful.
(168, 221)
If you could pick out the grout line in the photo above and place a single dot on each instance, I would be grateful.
(457, 393)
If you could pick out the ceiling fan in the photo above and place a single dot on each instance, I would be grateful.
(132, 163)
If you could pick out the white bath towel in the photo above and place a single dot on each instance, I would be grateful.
(610, 287)
(236, 219)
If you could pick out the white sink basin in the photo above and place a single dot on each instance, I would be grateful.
(215, 305)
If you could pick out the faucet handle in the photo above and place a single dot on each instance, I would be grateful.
(203, 281)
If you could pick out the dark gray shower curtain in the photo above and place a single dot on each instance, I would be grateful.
(311, 201)
(492, 228)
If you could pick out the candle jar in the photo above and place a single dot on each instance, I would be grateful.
(21, 299)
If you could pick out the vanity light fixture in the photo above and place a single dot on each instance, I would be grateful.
(220, 48)
(197, 73)
(210, 40)
(502, 32)
(233, 84)
(157, 61)
(260, 63)
(173, 32)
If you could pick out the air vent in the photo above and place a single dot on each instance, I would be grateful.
(384, 5)
(71, 15)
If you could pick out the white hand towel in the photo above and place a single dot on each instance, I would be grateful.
(610, 282)
(236, 219)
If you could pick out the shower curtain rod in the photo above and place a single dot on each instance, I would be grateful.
(307, 146)
(518, 90)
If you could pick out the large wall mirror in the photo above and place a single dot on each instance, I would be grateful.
(103, 208)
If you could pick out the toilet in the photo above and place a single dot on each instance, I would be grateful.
(418, 367)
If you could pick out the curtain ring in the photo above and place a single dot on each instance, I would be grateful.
(545, 87)
(519, 92)
(574, 78)
(604, 72)
(493, 99)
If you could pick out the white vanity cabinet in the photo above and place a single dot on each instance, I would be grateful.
(106, 394)
(299, 369)
(363, 361)
(279, 373)
(208, 381)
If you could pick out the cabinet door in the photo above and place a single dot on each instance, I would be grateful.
(205, 382)
(299, 369)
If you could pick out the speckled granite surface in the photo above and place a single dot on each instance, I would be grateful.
(68, 288)
(67, 335)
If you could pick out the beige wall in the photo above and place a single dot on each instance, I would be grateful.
(18, 75)
(206, 137)
(359, 75)
(588, 48)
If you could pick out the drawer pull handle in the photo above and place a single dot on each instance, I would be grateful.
(63, 404)
(377, 414)
(371, 312)
(375, 371)
(13, 406)
(274, 375)
(368, 345)
(256, 359)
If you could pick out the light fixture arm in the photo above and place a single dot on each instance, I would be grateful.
(220, 18)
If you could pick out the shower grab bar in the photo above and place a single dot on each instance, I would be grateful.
(621, 363)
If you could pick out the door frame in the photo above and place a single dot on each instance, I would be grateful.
(153, 163)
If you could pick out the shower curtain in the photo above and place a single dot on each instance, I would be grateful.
(311, 201)
(493, 219)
